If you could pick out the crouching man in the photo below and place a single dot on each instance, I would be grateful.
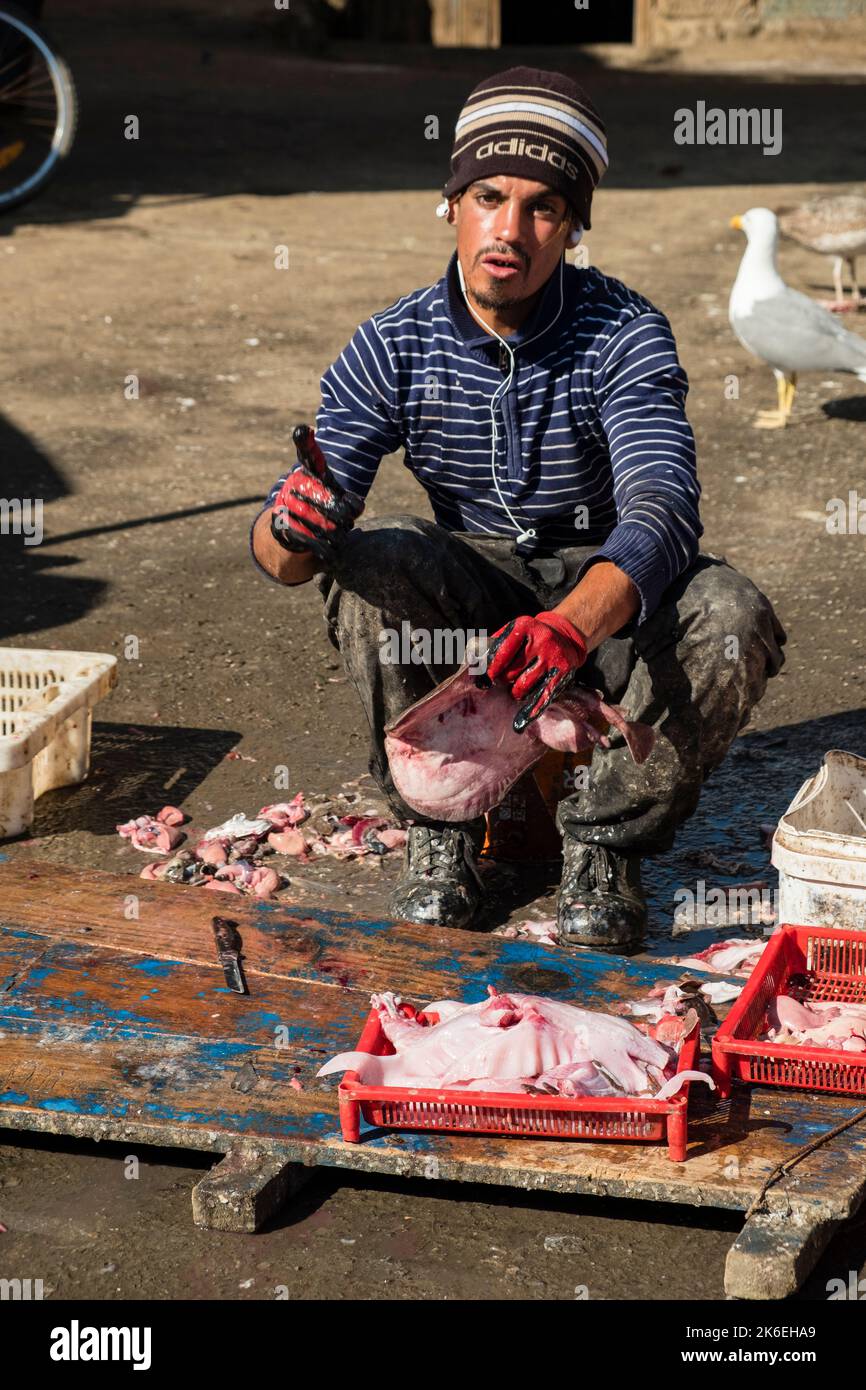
(541, 406)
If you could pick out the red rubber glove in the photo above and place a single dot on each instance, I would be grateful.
(538, 657)
(311, 510)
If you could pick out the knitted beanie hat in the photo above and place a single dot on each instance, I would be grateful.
(534, 125)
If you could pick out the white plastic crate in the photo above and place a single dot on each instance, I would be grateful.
(46, 711)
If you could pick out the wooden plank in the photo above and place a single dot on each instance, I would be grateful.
(147, 1079)
(775, 1251)
(319, 946)
(183, 1092)
(123, 1083)
(642, 31)
(466, 23)
(84, 984)
(19, 952)
(120, 1028)
(245, 1190)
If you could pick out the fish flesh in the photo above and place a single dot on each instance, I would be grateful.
(289, 841)
(227, 858)
(514, 1043)
(544, 932)
(282, 814)
(454, 754)
(154, 834)
(212, 851)
(665, 999)
(817, 1023)
(733, 957)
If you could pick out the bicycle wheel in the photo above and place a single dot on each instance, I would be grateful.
(38, 108)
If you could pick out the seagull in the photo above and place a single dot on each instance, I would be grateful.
(785, 328)
(834, 227)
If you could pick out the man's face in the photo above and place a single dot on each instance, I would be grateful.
(510, 236)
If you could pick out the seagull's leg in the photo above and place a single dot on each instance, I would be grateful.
(856, 297)
(775, 419)
(790, 393)
(840, 304)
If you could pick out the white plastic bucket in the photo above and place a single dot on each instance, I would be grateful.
(819, 847)
(46, 709)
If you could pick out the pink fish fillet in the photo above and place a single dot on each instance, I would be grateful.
(454, 754)
(819, 1023)
(289, 841)
(150, 834)
(733, 957)
(282, 814)
(212, 851)
(509, 1038)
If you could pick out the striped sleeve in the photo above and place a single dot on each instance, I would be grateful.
(641, 389)
(359, 419)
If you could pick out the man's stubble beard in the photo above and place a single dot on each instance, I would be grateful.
(496, 299)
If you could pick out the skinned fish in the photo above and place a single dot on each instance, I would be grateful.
(732, 957)
(151, 834)
(282, 814)
(817, 1023)
(454, 754)
(517, 1041)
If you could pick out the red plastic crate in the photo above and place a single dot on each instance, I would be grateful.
(835, 962)
(613, 1118)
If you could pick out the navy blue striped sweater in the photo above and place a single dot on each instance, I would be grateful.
(593, 445)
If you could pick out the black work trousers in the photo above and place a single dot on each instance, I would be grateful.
(694, 670)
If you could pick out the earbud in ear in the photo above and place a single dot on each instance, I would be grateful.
(442, 208)
(575, 235)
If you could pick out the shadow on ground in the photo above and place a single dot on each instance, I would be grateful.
(755, 785)
(135, 770)
(33, 595)
(226, 105)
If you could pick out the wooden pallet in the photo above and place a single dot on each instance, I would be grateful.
(119, 1026)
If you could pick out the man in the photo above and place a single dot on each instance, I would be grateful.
(542, 408)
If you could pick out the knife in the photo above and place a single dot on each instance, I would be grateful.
(229, 945)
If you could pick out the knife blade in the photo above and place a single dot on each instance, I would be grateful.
(229, 946)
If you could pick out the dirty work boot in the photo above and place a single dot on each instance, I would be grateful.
(439, 885)
(601, 901)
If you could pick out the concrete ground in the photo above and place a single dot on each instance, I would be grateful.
(155, 257)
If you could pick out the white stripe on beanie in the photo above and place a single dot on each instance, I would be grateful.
(554, 113)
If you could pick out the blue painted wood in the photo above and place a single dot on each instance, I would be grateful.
(126, 1029)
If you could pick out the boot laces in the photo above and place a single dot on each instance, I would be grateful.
(441, 851)
(598, 869)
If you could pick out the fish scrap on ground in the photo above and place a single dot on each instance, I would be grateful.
(543, 932)
(228, 857)
(521, 1044)
(155, 834)
(733, 957)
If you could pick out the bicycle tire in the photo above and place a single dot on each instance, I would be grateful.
(67, 107)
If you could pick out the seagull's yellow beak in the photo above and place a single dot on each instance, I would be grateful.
(737, 223)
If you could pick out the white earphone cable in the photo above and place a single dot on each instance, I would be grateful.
(523, 533)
